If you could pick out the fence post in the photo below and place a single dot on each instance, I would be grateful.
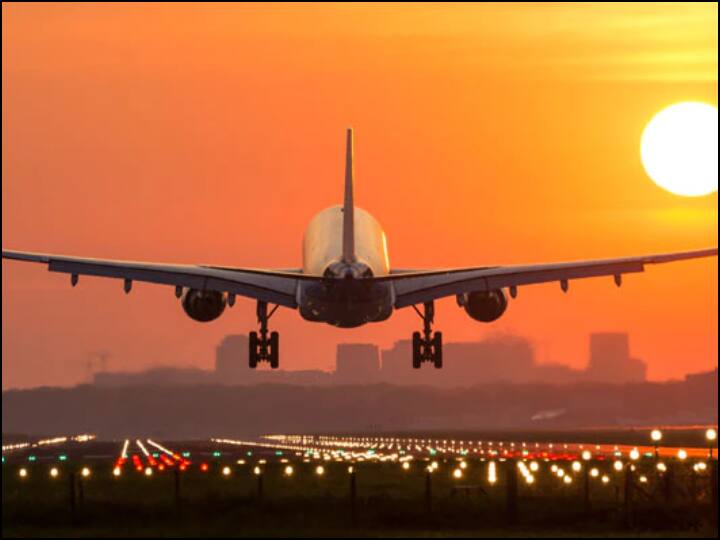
(260, 490)
(511, 490)
(73, 498)
(81, 491)
(586, 486)
(668, 482)
(428, 491)
(176, 487)
(628, 499)
(714, 489)
(353, 496)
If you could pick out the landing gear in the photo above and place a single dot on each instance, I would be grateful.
(262, 347)
(427, 346)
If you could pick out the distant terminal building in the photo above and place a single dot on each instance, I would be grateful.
(357, 363)
(610, 360)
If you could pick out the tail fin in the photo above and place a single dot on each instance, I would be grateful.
(348, 247)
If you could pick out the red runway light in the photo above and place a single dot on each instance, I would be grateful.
(204, 467)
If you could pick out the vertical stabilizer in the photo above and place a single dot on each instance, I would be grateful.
(348, 247)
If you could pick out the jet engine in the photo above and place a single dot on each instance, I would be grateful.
(484, 306)
(203, 306)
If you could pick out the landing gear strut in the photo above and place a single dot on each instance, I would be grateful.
(427, 347)
(262, 347)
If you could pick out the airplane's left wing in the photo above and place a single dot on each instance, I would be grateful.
(416, 287)
(276, 287)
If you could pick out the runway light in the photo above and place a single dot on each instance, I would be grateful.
(586, 455)
(463, 465)
(656, 435)
(661, 467)
(534, 467)
(634, 454)
(85, 472)
(117, 471)
(567, 479)
(682, 454)
(434, 466)
(643, 479)
(529, 478)
(351, 469)
(406, 466)
(554, 468)
(457, 473)
(257, 471)
(23, 473)
(594, 473)
(319, 470)
(204, 467)
(576, 466)
(605, 479)
(226, 471)
(148, 471)
(289, 470)
(618, 465)
(54, 472)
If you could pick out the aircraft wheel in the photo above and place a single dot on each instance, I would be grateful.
(416, 359)
(437, 350)
(252, 352)
(274, 350)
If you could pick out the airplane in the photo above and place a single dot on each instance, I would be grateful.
(346, 280)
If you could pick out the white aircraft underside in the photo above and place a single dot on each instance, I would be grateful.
(346, 280)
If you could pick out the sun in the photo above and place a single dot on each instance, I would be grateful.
(679, 149)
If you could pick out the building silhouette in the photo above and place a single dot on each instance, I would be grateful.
(231, 358)
(357, 363)
(499, 359)
(610, 360)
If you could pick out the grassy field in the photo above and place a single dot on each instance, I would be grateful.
(388, 501)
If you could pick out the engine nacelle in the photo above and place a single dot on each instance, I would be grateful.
(484, 306)
(203, 306)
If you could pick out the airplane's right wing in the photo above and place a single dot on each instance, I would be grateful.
(416, 287)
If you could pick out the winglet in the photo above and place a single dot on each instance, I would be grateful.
(348, 247)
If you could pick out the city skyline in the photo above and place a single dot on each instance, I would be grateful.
(502, 359)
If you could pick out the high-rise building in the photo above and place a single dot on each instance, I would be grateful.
(610, 360)
(231, 359)
(357, 363)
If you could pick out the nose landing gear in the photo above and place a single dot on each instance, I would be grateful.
(264, 348)
(427, 346)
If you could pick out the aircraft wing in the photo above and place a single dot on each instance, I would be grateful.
(276, 287)
(416, 287)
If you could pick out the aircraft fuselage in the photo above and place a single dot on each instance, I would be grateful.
(350, 301)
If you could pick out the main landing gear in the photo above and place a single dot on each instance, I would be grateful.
(427, 347)
(262, 347)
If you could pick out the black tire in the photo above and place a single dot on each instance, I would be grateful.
(416, 359)
(274, 350)
(252, 350)
(437, 350)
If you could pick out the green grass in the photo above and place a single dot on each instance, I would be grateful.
(390, 502)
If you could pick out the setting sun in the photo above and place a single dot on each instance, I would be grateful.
(679, 149)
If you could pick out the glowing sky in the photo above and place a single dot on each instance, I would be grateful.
(485, 134)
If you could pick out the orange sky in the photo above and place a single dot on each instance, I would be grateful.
(485, 134)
